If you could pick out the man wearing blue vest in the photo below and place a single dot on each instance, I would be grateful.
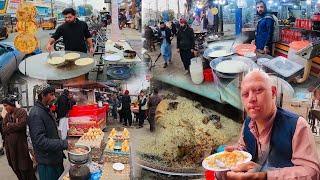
(280, 142)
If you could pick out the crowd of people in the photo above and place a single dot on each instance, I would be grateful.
(144, 108)
(164, 35)
(42, 121)
(206, 22)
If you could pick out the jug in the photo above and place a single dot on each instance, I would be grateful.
(196, 70)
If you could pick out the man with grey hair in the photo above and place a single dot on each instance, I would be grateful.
(280, 142)
(48, 146)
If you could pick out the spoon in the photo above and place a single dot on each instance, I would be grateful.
(220, 164)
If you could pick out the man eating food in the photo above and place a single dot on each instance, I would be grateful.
(280, 142)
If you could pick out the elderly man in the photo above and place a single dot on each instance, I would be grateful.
(46, 142)
(15, 140)
(280, 142)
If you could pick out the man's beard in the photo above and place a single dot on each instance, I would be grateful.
(261, 13)
(68, 22)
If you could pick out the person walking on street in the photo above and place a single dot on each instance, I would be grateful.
(75, 33)
(185, 44)
(15, 140)
(47, 145)
(165, 35)
(126, 109)
(153, 102)
(142, 108)
(148, 33)
(115, 105)
(174, 28)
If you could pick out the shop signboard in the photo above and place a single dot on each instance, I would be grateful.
(13, 6)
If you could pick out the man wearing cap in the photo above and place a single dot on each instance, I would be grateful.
(185, 44)
(15, 140)
(46, 142)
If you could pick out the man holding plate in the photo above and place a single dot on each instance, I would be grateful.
(280, 142)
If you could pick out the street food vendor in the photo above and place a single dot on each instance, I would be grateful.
(46, 142)
(280, 142)
(75, 33)
(265, 29)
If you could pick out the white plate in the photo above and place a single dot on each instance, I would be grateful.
(118, 166)
(220, 53)
(56, 60)
(71, 56)
(232, 66)
(84, 61)
(113, 57)
(206, 166)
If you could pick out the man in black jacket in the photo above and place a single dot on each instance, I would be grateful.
(75, 33)
(185, 44)
(165, 35)
(64, 104)
(46, 142)
(126, 108)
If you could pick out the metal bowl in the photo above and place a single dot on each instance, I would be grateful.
(129, 54)
(79, 158)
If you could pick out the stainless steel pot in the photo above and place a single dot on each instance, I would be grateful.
(79, 158)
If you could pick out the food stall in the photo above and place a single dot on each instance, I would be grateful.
(87, 113)
(84, 117)
(216, 74)
(103, 157)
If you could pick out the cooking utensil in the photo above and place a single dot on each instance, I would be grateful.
(230, 50)
(220, 164)
(50, 56)
(79, 158)
(232, 67)
(129, 54)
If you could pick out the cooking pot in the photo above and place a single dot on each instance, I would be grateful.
(79, 158)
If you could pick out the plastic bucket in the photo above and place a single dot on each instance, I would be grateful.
(208, 75)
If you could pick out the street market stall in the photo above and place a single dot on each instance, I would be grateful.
(58, 65)
(108, 158)
(216, 73)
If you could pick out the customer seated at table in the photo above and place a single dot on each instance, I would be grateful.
(280, 142)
